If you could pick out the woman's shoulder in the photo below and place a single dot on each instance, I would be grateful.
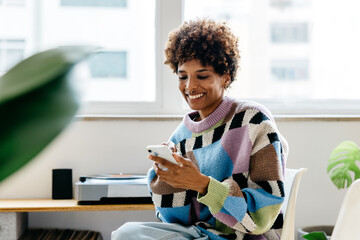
(251, 107)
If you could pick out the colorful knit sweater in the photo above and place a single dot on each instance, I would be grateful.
(239, 147)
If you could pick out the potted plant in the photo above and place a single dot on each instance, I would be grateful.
(342, 170)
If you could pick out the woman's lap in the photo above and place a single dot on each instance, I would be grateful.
(156, 230)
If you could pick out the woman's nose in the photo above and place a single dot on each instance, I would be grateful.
(191, 83)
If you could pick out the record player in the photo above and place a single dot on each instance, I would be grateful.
(113, 189)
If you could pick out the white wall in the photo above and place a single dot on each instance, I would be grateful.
(118, 145)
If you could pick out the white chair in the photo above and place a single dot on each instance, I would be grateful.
(348, 222)
(291, 185)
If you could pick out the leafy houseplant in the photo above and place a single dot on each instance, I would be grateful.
(38, 98)
(342, 167)
(342, 170)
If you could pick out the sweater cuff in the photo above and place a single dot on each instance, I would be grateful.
(215, 196)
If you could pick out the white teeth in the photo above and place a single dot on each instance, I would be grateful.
(196, 96)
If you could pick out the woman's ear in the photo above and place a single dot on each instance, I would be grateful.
(227, 80)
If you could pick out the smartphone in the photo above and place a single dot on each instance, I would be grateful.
(162, 151)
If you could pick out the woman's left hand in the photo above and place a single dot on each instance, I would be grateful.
(185, 175)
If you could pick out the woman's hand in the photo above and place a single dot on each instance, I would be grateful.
(170, 145)
(185, 175)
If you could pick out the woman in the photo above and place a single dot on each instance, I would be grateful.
(229, 180)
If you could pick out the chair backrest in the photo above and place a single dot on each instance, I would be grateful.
(291, 185)
(348, 222)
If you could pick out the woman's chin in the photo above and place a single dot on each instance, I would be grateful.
(194, 106)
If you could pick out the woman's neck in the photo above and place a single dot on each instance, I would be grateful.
(209, 110)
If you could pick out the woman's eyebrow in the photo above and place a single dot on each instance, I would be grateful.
(198, 71)
(203, 70)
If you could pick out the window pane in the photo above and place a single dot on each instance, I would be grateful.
(298, 50)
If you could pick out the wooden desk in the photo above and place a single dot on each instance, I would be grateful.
(50, 205)
(14, 212)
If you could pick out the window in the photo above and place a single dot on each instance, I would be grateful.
(297, 56)
(290, 70)
(127, 74)
(289, 32)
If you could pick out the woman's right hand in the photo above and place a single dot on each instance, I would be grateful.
(184, 175)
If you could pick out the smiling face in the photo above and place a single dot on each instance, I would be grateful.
(201, 86)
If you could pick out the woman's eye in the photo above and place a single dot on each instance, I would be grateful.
(203, 77)
(182, 77)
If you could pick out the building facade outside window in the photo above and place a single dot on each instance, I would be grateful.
(94, 3)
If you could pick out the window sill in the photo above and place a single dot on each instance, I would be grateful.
(282, 117)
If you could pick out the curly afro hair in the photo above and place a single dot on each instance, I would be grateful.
(203, 39)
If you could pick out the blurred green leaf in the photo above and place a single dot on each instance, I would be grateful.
(37, 100)
(342, 167)
(315, 236)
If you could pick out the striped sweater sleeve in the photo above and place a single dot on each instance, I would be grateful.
(250, 201)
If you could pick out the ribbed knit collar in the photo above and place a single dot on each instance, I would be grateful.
(219, 113)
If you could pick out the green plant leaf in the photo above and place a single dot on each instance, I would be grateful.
(315, 236)
(37, 100)
(342, 167)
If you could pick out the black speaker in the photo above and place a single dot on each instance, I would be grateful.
(62, 187)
